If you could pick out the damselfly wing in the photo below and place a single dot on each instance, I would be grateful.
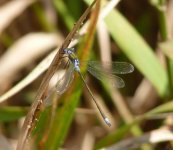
(109, 70)
(66, 79)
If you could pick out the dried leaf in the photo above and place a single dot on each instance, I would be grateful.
(22, 53)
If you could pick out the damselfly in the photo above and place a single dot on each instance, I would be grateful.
(98, 70)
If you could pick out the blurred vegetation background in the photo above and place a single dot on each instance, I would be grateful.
(138, 32)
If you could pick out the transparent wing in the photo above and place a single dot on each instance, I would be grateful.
(112, 67)
(60, 82)
(65, 80)
(100, 75)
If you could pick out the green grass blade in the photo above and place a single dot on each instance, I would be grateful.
(39, 12)
(76, 9)
(166, 107)
(64, 12)
(63, 119)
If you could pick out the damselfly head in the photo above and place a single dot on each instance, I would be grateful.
(69, 50)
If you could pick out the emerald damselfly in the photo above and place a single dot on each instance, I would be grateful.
(95, 68)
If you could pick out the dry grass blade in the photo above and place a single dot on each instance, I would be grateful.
(33, 114)
(34, 45)
(41, 67)
(88, 142)
(145, 96)
(104, 42)
(108, 8)
(11, 10)
(115, 94)
(105, 52)
(170, 18)
(104, 12)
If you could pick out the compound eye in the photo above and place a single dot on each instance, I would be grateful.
(69, 51)
(65, 51)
